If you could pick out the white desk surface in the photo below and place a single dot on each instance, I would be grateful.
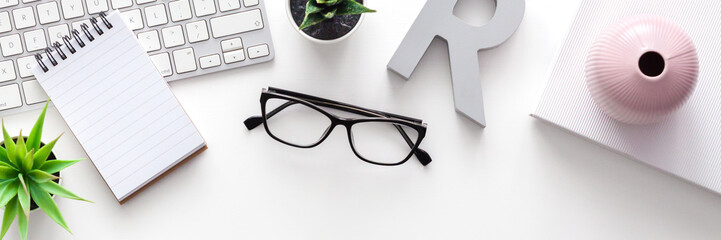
(517, 179)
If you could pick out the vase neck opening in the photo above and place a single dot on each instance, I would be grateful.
(651, 64)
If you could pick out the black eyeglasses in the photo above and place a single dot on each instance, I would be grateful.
(298, 120)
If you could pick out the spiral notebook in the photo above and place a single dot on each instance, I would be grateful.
(117, 105)
(688, 143)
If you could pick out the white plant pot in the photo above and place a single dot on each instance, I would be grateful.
(315, 40)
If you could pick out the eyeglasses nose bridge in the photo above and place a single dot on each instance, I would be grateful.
(332, 127)
(348, 125)
(335, 121)
(329, 130)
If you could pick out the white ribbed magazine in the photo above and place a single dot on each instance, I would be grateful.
(688, 144)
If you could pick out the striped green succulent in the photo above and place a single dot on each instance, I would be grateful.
(317, 11)
(26, 175)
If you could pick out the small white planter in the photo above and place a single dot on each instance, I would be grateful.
(312, 39)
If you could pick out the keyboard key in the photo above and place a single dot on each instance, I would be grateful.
(96, 6)
(204, 7)
(29, 1)
(5, 25)
(35, 40)
(258, 51)
(11, 45)
(72, 8)
(10, 96)
(34, 93)
(25, 66)
(156, 15)
(250, 3)
(56, 33)
(133, 19)
(184, 60)
(179, 10)
(210, 61)
(7, 3)
(227, 5)
(144, 1)
(24, 17)
(117, 4)
(7, 71)
(197, 31)
(48, 12)
(236, 23)
(150, 40)
(162, 63)
(234, 56)
(173, 36)
(231, 44)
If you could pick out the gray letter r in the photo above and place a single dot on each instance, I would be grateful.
(464, 43)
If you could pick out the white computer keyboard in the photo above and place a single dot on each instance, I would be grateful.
(184, 38)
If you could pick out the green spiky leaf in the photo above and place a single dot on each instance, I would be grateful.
(56, 189)
(317, 11)
(4, 164)
(53, 166)
(5, 182)
(4, 155)
(41, 176)
(311, 20)
(20, 149)
(24, 196)
(23, 224)
(37, 131)
(312, 7)
(329, 2)
(351, 7)
(11, 210)
(8, 192)
(42, 155)
(330, 14)
(10, 146)
(46, 203)
(8, 172)
(27, 162)
(3, 185)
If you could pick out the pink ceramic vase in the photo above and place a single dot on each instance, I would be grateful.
(642, 69)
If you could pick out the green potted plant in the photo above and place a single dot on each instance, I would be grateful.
(29, 178)
(326, 21)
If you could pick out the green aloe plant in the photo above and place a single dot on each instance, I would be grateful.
(26, 175)
(317, 11)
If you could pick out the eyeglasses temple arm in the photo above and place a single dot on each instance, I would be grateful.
(339, 105)
(421, 154)
(255, 121)
(358, 110)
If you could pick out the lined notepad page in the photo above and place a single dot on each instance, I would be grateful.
(120, 109)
